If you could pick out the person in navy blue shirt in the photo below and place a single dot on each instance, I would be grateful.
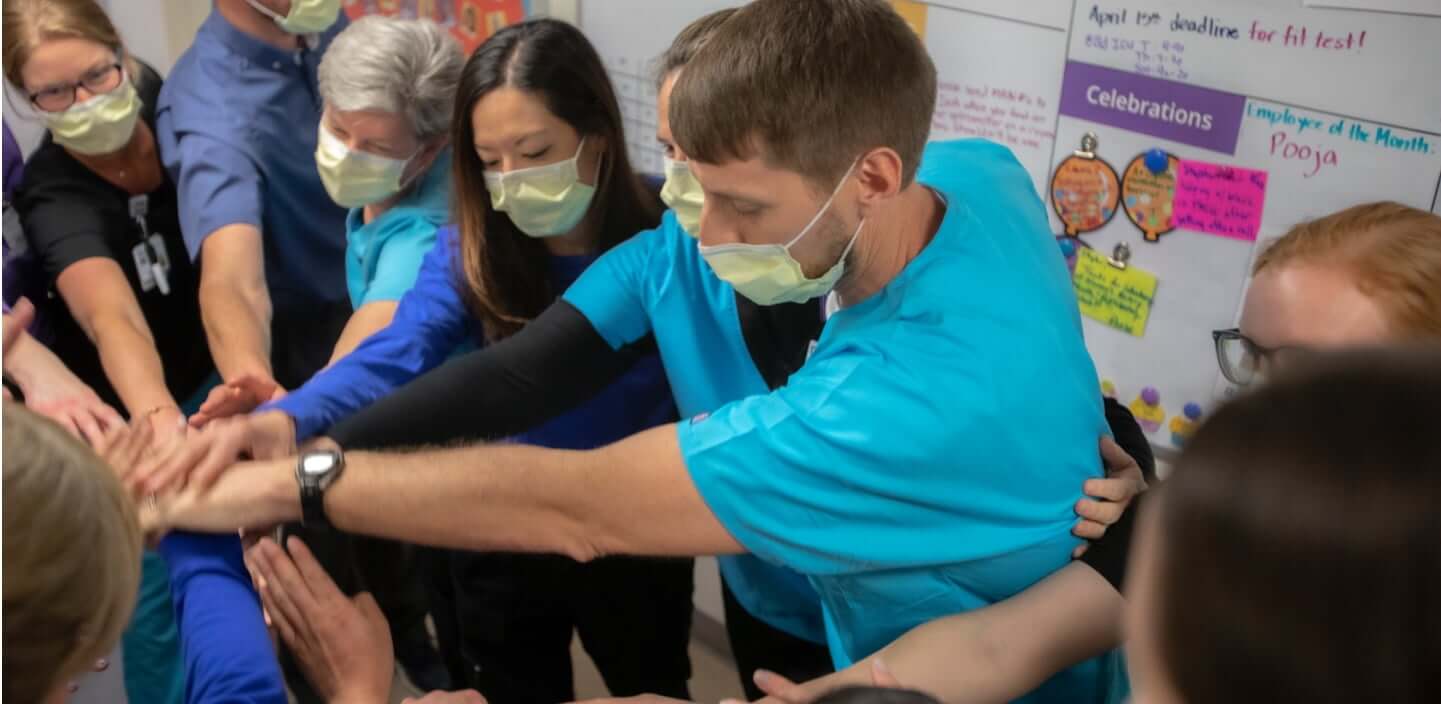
(550, 188)
(237, 124)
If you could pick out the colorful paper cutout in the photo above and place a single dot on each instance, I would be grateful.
(1185, 425)
(1085, 190)
(1148, 411)
(1120, 298)
(1147, 196)
(1220, 200)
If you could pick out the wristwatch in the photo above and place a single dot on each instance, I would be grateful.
(315, 471)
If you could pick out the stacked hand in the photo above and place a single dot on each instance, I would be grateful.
(50, 389)
(236, 397)
(342, 644)
(211, 450)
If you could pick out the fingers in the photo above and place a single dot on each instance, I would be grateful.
(90, 429)
(1118, 462)
(777, 686)
(168, 465)
(881, 675)
(125, 447)
(317, 580)
(280, 572)
(1113, 490)
(280, 595)
(224, 451)
(1106, 513)
(1090, 530)
(1080, 550)
(107, 416)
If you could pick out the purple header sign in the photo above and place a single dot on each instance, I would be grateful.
(1174, 111)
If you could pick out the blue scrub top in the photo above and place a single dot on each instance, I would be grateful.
(383, 256)
(236, 124)
(657, 282)
(898, 468)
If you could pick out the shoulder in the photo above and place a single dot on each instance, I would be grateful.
(965, 165)
(49, 172)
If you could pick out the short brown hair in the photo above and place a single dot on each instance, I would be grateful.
(27, 23)
(1298, 547)
(807, 85)
(685, 45)
(1393, 251)
(72, 555)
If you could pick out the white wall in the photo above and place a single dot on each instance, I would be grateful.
(156, 31)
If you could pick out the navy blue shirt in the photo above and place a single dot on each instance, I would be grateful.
(237, 124)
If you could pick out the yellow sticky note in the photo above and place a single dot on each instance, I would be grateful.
(914, 13)
(1120, 298)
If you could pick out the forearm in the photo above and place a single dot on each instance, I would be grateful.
(555, 363)
(132, 364)
(30, 363)
(1000, 652)
(237, 324)
(227, 651)
(633, 497)
(368, 320)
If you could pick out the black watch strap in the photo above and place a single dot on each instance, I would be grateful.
(312, 506)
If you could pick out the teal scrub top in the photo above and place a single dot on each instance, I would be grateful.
(657, 282)
(383, 256)
(927, 458)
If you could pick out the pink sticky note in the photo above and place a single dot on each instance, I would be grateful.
(1221, 200)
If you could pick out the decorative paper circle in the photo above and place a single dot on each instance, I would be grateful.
(1084, 192)
(1147, 196)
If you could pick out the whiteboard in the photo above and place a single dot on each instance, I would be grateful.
(1336, 106)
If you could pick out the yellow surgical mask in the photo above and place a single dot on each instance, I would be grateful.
(305, 16)
(768, 274)
(683, 194)
(101, 125)
(354, 178)
(543, 201)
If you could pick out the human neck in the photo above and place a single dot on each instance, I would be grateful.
(889, 241)
(253, 22)
(579, 241)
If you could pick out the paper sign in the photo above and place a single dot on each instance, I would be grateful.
(1120, 298)
(1221, 200)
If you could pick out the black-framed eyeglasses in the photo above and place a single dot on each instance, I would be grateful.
(96, 81)
(1242, 360)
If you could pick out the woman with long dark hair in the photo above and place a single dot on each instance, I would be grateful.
(543, 185)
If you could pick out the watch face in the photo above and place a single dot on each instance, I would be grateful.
(316, 465)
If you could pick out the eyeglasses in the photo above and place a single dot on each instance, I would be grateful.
(97, 81)
(1243, 361)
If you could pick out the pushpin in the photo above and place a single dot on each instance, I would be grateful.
(1108, 388)
(1147, 409)
(1120, 255)
(1184, 426)
(1089, 142)
(1068, 246)
(1157, 161)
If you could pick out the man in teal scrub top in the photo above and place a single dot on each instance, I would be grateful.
(897, 469)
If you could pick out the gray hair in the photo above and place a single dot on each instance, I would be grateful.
(405, 67)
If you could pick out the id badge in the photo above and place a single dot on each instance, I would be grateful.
(144, 267)
(160, 266)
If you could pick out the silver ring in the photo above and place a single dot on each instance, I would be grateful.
(150, 503)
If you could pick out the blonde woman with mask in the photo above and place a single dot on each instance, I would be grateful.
(102, 218)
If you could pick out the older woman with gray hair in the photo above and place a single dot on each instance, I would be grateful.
(389, 88)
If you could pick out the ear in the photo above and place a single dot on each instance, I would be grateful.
(879, 173)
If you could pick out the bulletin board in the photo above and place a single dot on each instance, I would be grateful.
(1218, 125)
(471, 22)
